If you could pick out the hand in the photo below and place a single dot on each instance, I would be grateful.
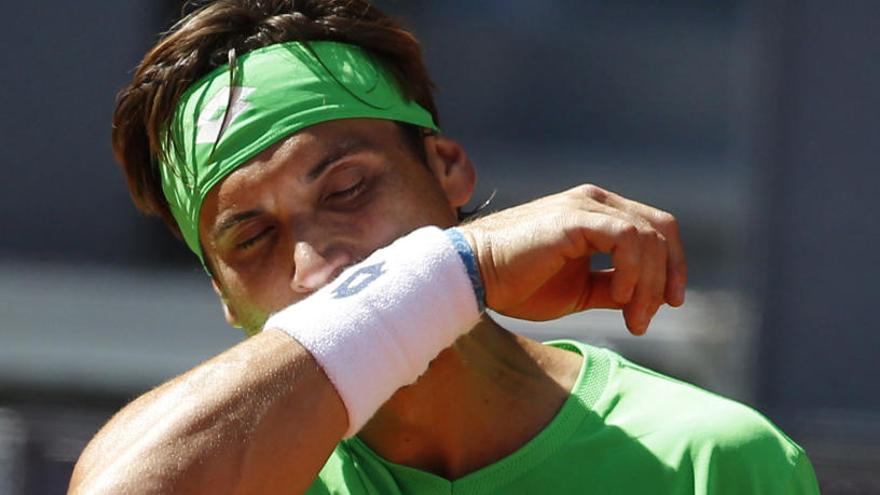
(534, 259)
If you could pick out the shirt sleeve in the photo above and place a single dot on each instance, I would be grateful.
(740, 452)
(803, 478)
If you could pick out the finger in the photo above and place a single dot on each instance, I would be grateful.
(666, 224)
(600, 297)
(627, 256)
(676, 279)
(626, 260)
(649, 292)
(620, 237)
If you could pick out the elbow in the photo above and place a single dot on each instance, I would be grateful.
(79, 480)
(86, 472)
(93, 474)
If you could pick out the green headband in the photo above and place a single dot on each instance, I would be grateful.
(277, 90)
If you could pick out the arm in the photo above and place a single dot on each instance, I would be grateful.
(223, 427)
(264, 416)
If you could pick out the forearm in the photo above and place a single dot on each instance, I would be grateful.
(265, 415)
(223, 427)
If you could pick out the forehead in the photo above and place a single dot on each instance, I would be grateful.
(317, 145)
(300, 157)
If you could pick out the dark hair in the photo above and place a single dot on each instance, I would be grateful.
(201, 41)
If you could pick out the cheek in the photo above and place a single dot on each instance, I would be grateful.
(427, 206)
(414, 200)
(392, 214)
(253, 299)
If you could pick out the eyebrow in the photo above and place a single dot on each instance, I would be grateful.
(336, 153)
(233, 220)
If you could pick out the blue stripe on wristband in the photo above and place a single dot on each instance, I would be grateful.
(466, 253)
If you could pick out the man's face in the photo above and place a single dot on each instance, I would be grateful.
(288, 221)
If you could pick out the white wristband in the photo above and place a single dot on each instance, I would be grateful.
(378, 325)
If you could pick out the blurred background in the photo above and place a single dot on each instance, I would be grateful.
(754, 121)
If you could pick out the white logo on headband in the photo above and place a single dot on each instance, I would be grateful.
(212, 117)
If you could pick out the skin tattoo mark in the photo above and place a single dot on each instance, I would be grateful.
(359, 280)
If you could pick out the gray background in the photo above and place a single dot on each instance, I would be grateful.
(755, 122)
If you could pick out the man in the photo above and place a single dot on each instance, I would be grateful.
(294, 146)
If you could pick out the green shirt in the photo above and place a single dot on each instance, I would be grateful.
(623, 430)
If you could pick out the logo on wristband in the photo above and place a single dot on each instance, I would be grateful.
(359, 280)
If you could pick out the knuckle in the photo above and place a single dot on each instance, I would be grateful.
(662, 245)
(593, 192)
(667, 221)
(630, 233)
(662, 241)
(650, 236)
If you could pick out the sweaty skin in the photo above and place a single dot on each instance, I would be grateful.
(262, 417)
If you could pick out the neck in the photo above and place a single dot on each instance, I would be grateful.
(479, 401)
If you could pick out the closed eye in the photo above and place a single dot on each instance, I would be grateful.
(249, 242)
(349, 192)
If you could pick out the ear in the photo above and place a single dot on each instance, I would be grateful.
(228, 312)
(452, 168)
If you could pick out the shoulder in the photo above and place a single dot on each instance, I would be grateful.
(695, 430)
(707, 417)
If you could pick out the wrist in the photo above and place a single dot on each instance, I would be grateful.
(463, 244)
(380, 323)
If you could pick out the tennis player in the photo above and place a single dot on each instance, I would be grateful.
(294, 146)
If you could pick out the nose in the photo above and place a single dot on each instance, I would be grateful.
(314, 269)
